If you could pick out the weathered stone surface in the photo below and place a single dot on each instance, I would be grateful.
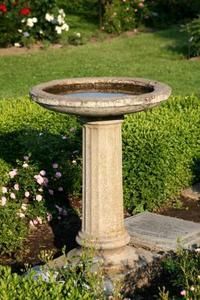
(103, 225)
(103, 219)
(139, 94)
(158, 232)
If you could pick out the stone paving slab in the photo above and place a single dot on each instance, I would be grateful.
(157, 232)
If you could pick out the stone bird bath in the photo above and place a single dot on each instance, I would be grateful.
(102, 102)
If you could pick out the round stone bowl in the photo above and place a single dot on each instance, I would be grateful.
(101, 96)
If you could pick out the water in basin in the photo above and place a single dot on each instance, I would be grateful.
(95, 94)
(98, 91)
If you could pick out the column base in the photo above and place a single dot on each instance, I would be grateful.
(111, 261)
(103, 243)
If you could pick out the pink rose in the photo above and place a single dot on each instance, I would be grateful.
(58, 174)
(13, 173)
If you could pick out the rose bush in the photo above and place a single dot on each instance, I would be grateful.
(122, 15)
(24, 22)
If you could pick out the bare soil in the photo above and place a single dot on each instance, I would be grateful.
(24, 50)
(55, 235)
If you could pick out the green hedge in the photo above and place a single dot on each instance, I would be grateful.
(161, 152)
(161, 147)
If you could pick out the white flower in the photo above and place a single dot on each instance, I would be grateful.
(65, 27)
(58, 174)
(23, 20)
(49, 17)
(49, 217)
(78, 34)
(13, 173)
(64, 137)
(26, 34)
(31, 224)
(3, 201)
(19, 30)
(55, 166)
(60, 189)
(74, 162)
(58, 29)
(39, 220)
(43, 172)
(35, 222)
(39, 179)
(41, 31)
(4, 190)
(24, 206)
(26, 194)
(60, 20)
(21, 215)
(51, 192)
(16, 186)
(26, 157)
(61, 12)
(38, 198)
(25, 165)
(34, 20)
(40, 190)
(30, 22)
(17, 45)
(12, 196)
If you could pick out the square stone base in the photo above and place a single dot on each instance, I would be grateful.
(157, 232)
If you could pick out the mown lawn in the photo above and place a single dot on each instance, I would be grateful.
(154, 55)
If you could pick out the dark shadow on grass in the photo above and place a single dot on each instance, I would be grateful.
(46, 149)
(178, 39)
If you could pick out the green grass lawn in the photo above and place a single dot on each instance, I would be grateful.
(150, 55)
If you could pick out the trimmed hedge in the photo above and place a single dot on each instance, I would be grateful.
(161, 149)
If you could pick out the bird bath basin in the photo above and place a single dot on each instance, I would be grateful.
(102, 102)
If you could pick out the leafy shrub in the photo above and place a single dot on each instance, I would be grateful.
(13, 230)
(161, 151)
(122, 15)
(161, 148)
(24, 22)
(75, 39)
(85, 7)
(70, 282)
(165, 12)
(54, 144)
(183, 276)
(193, 30)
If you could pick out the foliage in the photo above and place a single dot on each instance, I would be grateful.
(13, 230)
(70, 282)
(165, 12)
(88, 8)
(183, 276)
(161, 151)
(122, 15)
(75, 39)
(35, 188)
(193, 30)
(25, 22)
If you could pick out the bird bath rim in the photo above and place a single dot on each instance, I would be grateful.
(127, 95)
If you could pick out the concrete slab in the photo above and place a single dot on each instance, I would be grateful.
(157, 232)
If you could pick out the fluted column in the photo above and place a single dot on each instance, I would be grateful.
(103, 220)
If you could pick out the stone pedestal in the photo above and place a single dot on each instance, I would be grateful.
(103, 220)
